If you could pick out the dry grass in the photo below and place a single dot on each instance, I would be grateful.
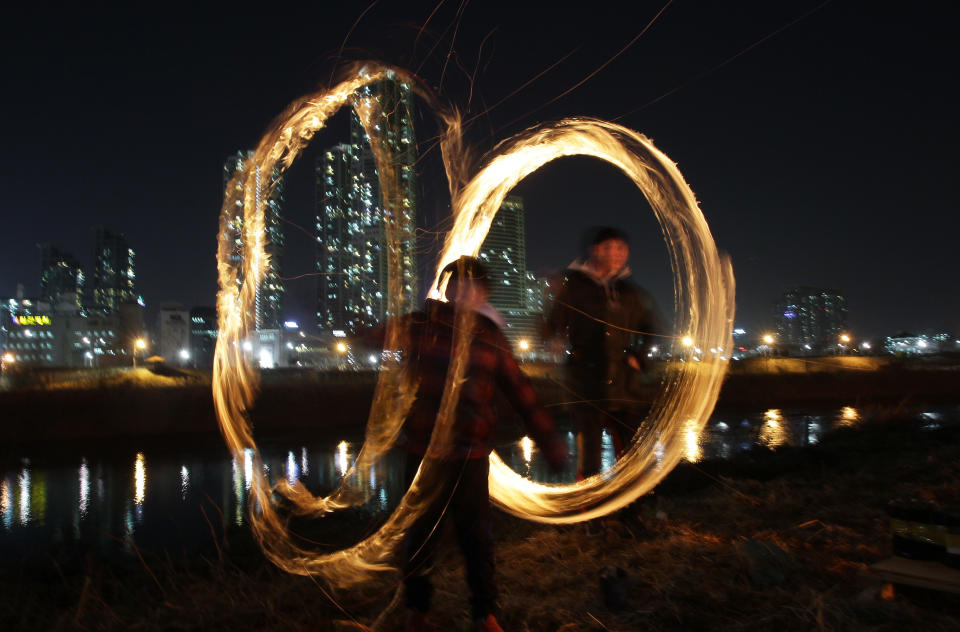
(33, 379)
(775, 541)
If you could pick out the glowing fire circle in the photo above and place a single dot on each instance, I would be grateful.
(704, 301)
(703, 283)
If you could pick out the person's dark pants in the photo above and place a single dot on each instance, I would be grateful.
(590, 423)
(465, 499)
(622, 426)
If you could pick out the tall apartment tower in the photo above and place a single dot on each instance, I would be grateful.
(811, 318)
(514, 291)
(504, 252)
(269, 193)
(352, 243)
(61, 278)
(114, 272)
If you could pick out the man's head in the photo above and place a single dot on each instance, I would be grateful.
(468, 281)
(610, 250)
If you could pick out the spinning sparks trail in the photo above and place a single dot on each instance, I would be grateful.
(703, 297)
(703, 287)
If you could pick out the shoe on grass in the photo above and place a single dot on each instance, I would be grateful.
(487, 624)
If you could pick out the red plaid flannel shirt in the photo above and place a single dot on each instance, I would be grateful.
(491, 366)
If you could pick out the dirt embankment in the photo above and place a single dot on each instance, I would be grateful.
(130, 405)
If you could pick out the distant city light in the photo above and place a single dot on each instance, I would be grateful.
(687, 341)
(844, 338)
(865, 345)
(140, 343)
(372, 359)
(291, 324)
(339, 333)
(768, 339)
(184, 354)
(9, 357)
(739, 331)
(341, 347)
(524, 345)
(247, 345)
(266, 358)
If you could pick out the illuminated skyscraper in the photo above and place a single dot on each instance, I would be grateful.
(114, 272)
(352, 245)
(61, 279)
(811, 319)
(269, 194)
(504, 252)
(514, 291)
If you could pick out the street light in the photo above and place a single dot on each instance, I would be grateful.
(524, 345)
(342, 350)
(768, 339)
(139, 344)
(687, 341)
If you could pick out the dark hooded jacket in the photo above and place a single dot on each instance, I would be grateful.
(602, 318)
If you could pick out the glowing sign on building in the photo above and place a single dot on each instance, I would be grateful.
(32, 320)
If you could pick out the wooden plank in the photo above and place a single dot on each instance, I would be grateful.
(922, 573)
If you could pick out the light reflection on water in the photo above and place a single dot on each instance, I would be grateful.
(6, 503)
(692, 451)
(139, 480)
(166, 500)
(849, 416)
(184, 482)
(774, 432)
(24, 495)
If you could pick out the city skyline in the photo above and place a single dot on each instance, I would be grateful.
(820, 155)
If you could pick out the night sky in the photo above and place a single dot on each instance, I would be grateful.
(822, 155)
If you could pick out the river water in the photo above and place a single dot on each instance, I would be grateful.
(158, 497)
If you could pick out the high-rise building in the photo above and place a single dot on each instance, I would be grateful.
(811, 319)
(517, 293)
(504, 252)
(175, 334)
(353, 247)
(203, 336)
(114, 276)
(61, 278)
(269, 301)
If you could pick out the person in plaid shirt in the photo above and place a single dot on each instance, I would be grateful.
(464, 496)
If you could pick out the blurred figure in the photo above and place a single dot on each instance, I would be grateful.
(610, 324)
(464, 497)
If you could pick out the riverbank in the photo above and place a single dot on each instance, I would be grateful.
(137, 403)
(770, 540)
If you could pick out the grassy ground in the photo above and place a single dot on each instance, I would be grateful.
(773, 540)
